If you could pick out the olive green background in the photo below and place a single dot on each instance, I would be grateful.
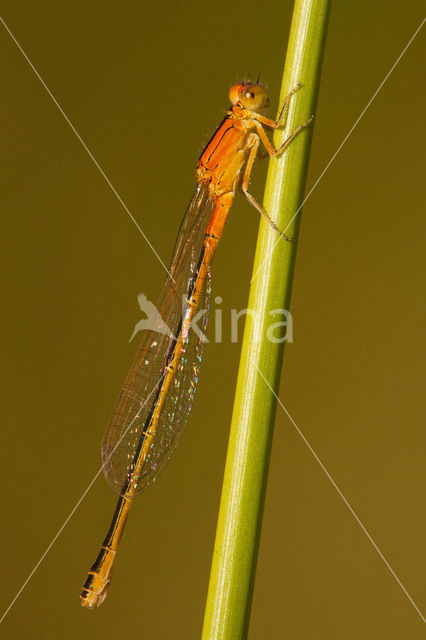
(145, 84)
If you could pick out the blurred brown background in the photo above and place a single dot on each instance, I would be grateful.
(145, 84)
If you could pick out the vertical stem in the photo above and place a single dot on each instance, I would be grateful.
(241, 509)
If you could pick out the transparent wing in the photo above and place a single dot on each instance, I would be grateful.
(191, 231)
(143, 384)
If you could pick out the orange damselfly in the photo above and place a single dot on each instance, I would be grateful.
(157, 394)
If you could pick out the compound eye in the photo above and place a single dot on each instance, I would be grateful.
(253, 97)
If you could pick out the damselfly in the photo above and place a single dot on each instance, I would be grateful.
(157, 394)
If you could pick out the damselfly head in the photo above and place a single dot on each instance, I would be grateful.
(252, 96)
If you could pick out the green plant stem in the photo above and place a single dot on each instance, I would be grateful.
(241, 509)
